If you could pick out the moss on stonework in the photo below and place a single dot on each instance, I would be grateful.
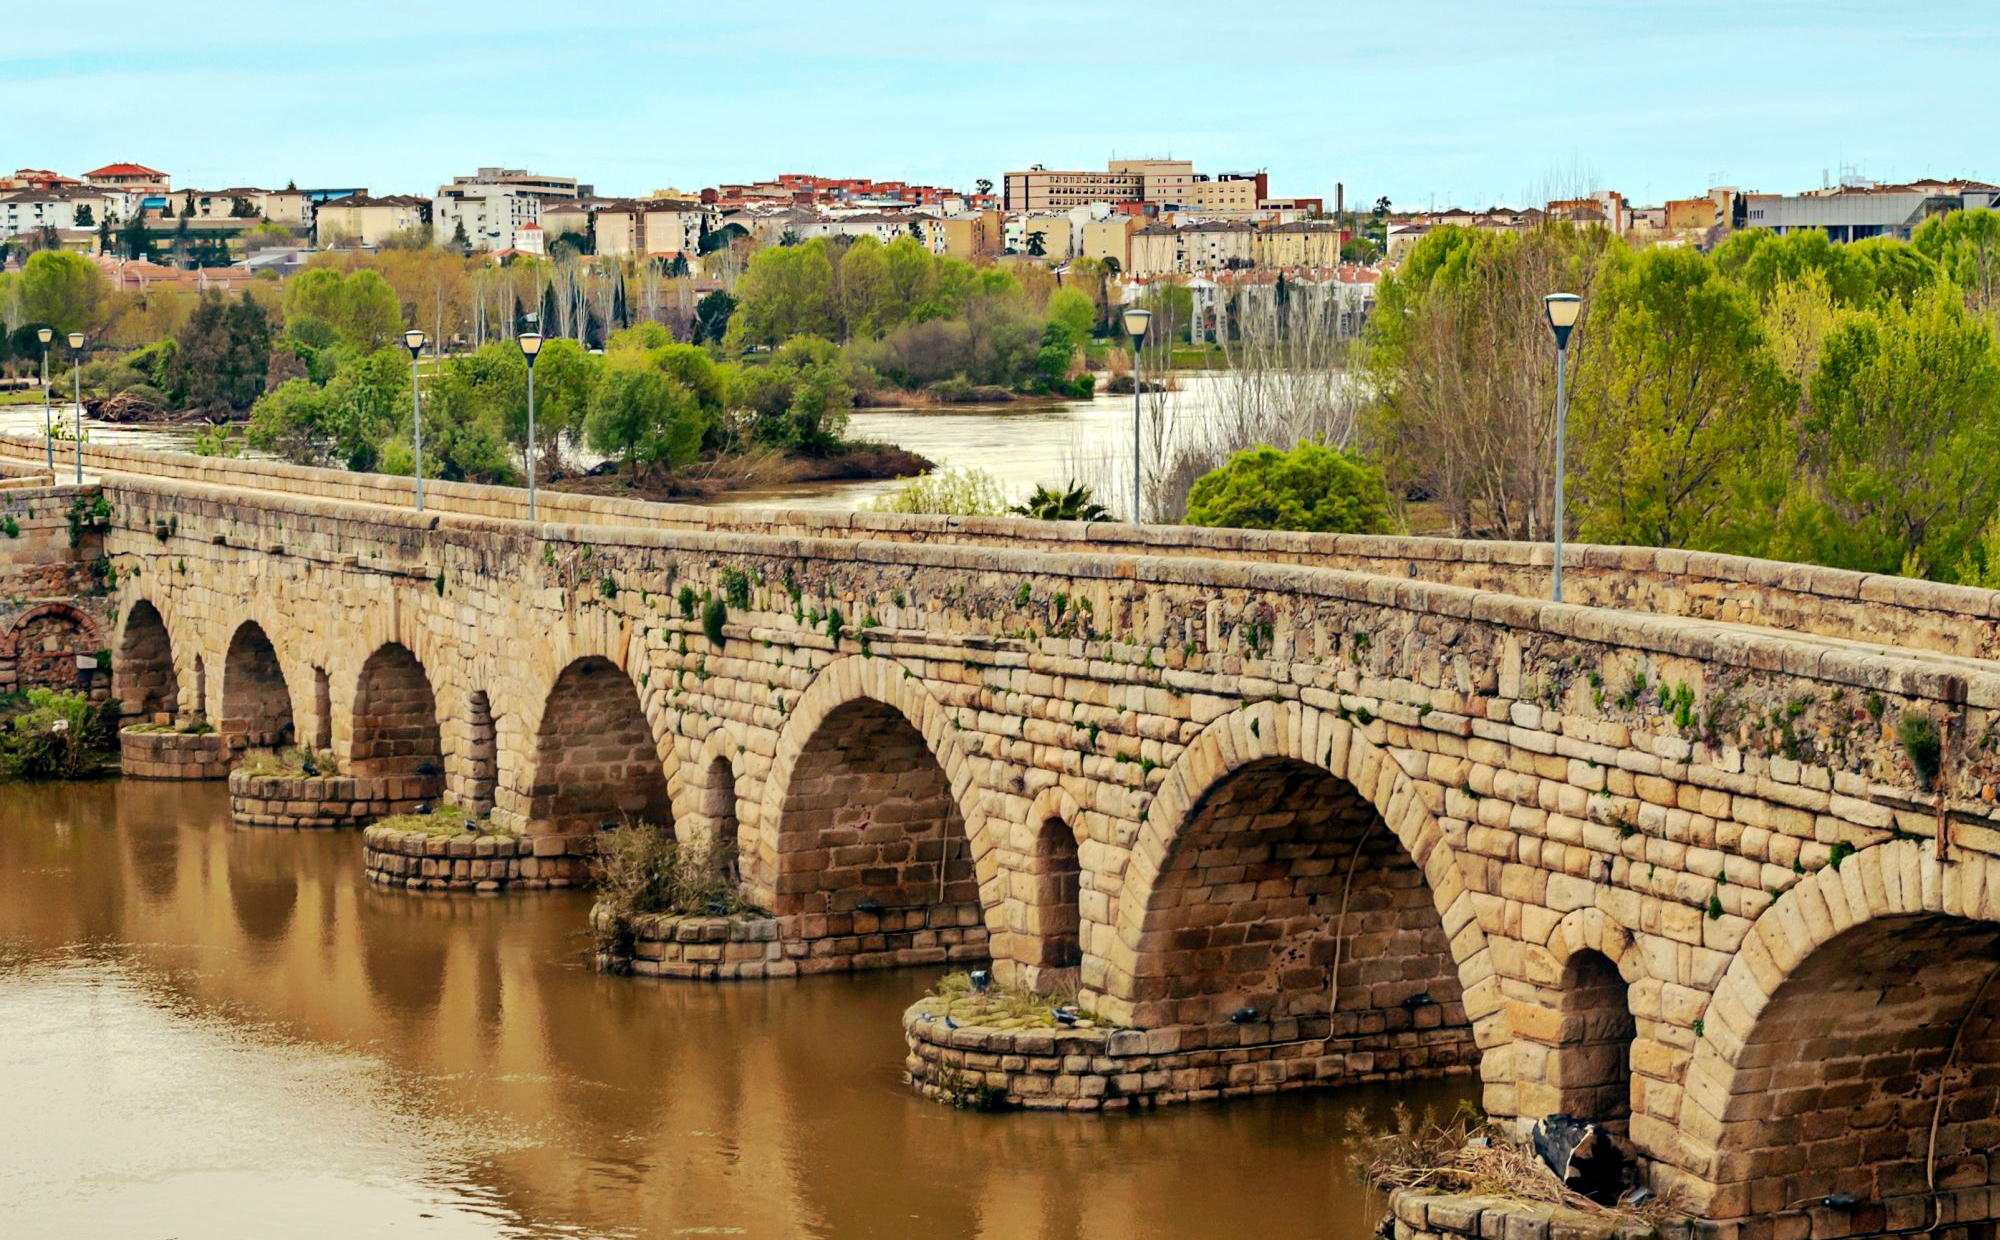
(1004, 1007)
(292, 764)
(446, 820)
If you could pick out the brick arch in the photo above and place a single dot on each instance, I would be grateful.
(257, 706)
(396, 728)
(708, 804)
(519, 691)
(1601, 1027)
(596, 757)
(1272, 733)
(144, 674)
(24, 657)
(1042, 948)
(887, 690)
(1877, 964)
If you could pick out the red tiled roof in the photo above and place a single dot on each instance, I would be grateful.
(125, 170)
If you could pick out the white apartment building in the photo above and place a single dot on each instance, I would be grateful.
(31, 210)
(491, 215)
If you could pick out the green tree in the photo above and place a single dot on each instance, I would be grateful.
(1905, 424)
(647, 418)
(1074, 309)
(711, 317)
(64, 291)
(1677, 401)
(786, 291)
(1966, 245)
(1312, 487)
(220, 356)
(800, 401)
(342, 423)
(84, 217)
(867, 303)
(136, 240)
(1038, 244)
(360, 306)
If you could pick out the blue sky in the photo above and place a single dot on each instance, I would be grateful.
(1445, 100)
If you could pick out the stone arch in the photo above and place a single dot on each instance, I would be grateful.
(1602, 1016)
(859, 831)
(41, 648)
(1257, 761)
(395, 730)
(256, 698)
(1044, 922)
(142, 665)
(712, 820)
(596, 761)
(1861, 996)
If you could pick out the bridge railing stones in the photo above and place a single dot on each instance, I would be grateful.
(1734, 589)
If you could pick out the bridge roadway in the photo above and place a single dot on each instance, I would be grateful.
(1708, 854)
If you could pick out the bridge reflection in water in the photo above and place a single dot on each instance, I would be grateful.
(219, 1031)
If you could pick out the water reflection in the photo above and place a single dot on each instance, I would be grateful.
(223, 1032)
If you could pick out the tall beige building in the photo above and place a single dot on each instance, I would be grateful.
(1124, 180)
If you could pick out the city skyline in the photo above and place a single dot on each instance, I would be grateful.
(1656, 100)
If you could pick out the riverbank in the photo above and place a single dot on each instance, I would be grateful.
(755, 471)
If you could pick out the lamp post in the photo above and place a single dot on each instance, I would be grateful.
(76, 377)
(45, 335)
(1562, 309)
(531, 347)
(413, 340)
(1136, 323)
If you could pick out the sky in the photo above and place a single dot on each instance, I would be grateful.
(1468, 102)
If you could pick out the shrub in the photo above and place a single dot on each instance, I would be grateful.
(1312, 487)
(954, 492)
(60, 736)
(642, 869)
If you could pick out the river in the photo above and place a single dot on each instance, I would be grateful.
(214, 1032)
(1021, 445)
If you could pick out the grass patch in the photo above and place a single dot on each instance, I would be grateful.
(291, 764)
(445, 820)
(1007, 1007)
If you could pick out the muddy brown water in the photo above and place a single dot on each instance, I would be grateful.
(214, 1032)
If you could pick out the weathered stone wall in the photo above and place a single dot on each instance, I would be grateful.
(324, 801)
(54, 603)
(708, 949)
(1095, 1069)
(1699, 808)
(1419, 1214)
(174, 755)
(421, 861)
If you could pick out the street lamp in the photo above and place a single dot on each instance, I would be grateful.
(1562, 309)
(413, 340)
(45, 335)
(1136, 323)
(531, 347)
(76, 377)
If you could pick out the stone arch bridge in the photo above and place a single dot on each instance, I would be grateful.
(1708, 854)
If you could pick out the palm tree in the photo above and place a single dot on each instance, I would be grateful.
(1072, 504)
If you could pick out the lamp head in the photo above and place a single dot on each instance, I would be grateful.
(531, 345)
(1137, 321)
(46, 334)
(1563, 310)
(76, 340)
(413, 340)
